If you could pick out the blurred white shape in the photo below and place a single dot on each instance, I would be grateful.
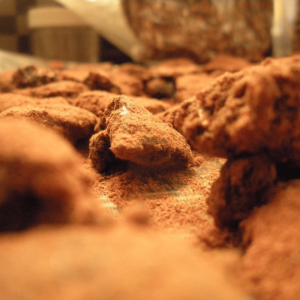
(11, 61)
(106, 17)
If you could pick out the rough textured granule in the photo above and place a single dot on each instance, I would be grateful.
(74, 123)
(137, 136)
(96, 101)
(33, 76)
(9, 100)
(64, 88)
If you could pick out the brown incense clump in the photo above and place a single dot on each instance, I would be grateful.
(42, 179)
(136, 70)
(138, 136)
(100, 154)
(252, 111)
(226, 63)
(241, 186)
(33, 76)
(64, 88)
(93, 101)
(101, 81)
(116, 81)
(175, 67)
(75, 75)
(154, 106)
(190, 85)
(160, 88)
(177, 114)
(129, 85)
(96, 101)
(163, 83)
(270, 265)
(74, 123)
(121, 262)
(11, 100)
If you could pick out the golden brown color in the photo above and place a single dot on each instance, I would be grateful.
(73, 123)
(64, 88)
(270, 265)
(42, 179)
(261, 102)
(137, 136)
(116, 263)
(9, 100)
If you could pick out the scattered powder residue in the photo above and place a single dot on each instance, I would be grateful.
(175, 200)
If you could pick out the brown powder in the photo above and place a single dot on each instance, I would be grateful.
(175, 200)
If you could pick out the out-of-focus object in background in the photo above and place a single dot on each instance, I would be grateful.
(57, 33)
(11, 61)
(198, 29)
(201, 29)
(285, 30)
(107, 17)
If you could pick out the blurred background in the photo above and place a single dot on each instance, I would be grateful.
(15, 32)
(148, 30)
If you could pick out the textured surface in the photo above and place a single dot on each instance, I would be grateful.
(73, 123)
(252, 111)
(136, 135)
